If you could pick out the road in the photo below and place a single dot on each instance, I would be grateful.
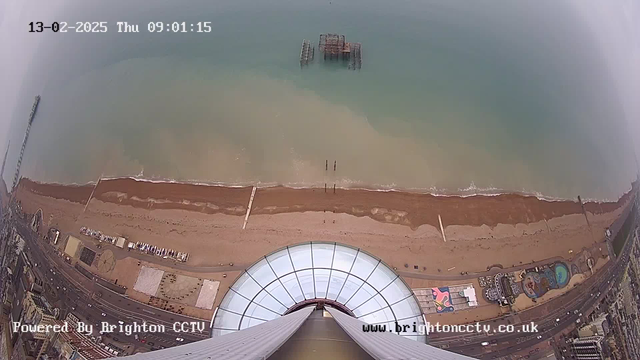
(88, 300)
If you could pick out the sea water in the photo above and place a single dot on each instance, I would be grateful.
(452, 96)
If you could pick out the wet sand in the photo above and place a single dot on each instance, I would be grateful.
(402, 208)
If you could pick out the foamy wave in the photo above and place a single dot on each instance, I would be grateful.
(350, 184)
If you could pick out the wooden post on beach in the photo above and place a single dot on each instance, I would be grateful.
(548, 228)
(326, 165)
(91, 195)
(325, 187)
(246, 217)
(584, 211)
(444, 237)
(335, 162)
(334, 188)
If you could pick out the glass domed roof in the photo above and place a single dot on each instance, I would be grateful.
(357, 281)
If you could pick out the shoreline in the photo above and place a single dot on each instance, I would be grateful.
(398, 207)
(470, 191)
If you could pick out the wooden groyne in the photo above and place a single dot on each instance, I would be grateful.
(306, 53)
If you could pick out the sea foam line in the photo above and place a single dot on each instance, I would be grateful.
(470, 191)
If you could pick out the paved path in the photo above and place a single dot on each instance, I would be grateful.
(120, 254)
(582, 298)
(471, 276)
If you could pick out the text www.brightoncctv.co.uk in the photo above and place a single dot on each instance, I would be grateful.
(428, 328)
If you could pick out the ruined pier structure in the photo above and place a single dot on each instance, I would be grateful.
(335, 47)
(307, 52)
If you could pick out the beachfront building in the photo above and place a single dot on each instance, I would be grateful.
(315, 300)
(587, 348)
(446, 299)
(343, 277)
(36, 311)
(598, 327)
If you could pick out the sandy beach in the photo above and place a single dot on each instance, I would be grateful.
(400, 228)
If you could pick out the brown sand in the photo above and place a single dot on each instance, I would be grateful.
(395, 207)
(402, 229)
(212, 239)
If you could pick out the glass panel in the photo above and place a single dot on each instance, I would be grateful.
(396, 291)
(280, 262)
(377, 302)
(248, 322)
(260, 313)
(350, 287)
(410, 326)
(322, 282)
(272, 296)
(306, 281)
(344, 258)
(234, 302)
(301, 256)
(381, 316)
(364, 266)
(322, 255)
(406, 308)
(246, 286)
(227, 320)
(261, 272)
(381, 277)
(278, 291)
(362, 295)
(291, 283)
(266, 300)
(337, 279)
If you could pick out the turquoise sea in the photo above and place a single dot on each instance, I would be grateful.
(452, 96)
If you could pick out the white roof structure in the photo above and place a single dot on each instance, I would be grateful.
(120, 242)
(262, 341)
(388, 346)
(342, 276)
(470, 294)
(240, 345)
